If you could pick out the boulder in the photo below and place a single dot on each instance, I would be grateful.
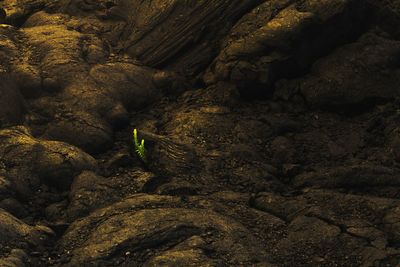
(362, 73)
(30, 161)
(281, 39)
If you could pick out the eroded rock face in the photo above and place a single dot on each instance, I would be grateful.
(158, 33)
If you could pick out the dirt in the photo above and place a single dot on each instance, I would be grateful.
(271, 128)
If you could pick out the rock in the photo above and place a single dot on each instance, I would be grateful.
(173, 22)
(243, 153)
(16, 258)
(283, 150)
(261, 131)
(279, 206)
(220, 94)
(291, 170)
(117, 117)
(280, 39)
(181, 72)
(314, 233)
(3, 15)
(336, 151)
(57, 65)
(185, 254)
(392, 225)
(355, 176)
(170, 83)
(17, 12)
(178, 188)
(120, 160)
(56, 211)
(253, 177)
(59, 163)
(35, 161)
(282, 125)
(4, 187)
(16, 234)
(135, 230)
(14, 207)
(129, 83)
(357, 74)
(394, 142)
(169, 156)
(315, 221)
(12, 106)
(83, 130)
(387, 15)
(87, 193)
(90, 191)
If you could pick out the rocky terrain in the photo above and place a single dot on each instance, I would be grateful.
(272, 130)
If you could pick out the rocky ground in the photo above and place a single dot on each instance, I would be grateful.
(272, 130)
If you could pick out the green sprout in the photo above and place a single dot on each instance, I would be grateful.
(139, 148)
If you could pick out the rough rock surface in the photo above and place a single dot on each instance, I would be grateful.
(11, 103)
(18, 237)
(280, 39)
(355, 75)
(271, 130)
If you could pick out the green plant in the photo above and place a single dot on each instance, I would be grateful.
(139, 147)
